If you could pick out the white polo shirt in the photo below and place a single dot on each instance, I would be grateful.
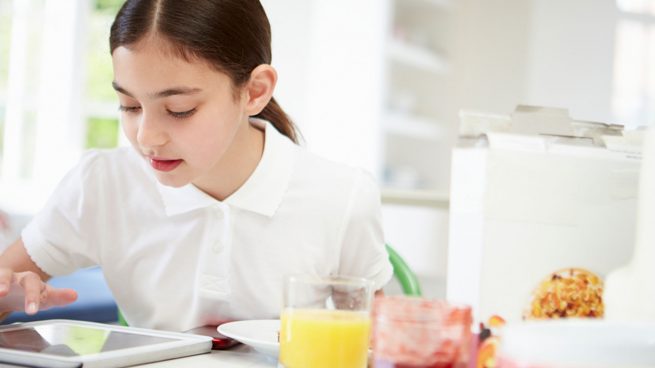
(176, 258)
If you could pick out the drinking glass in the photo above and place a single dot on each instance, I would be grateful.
(325, 322)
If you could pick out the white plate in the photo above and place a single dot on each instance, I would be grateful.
(261, 334)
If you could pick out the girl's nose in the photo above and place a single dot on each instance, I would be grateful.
(151, 133)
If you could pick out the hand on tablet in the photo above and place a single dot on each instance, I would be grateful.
(26, 291)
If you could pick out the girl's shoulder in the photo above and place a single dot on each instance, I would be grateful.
(334, 177)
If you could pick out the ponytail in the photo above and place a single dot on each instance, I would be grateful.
(280, 120)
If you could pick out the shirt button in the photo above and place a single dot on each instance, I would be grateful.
(217, 248)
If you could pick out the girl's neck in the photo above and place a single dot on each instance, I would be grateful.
(237, 164)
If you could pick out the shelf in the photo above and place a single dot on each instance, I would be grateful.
(413, 127)
(416, 197)
(416, 56)
(432, 3)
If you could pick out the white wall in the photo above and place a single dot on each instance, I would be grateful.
(571, 55)
(329, 57)
(417, 233)
(290, 21)
(544, 52)
(491, 52)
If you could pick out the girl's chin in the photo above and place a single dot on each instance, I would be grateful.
(171, 181)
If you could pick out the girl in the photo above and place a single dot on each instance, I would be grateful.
(199, 221)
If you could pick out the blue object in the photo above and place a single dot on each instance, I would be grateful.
(95, 302)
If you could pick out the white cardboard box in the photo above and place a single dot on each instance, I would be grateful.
(533, 193)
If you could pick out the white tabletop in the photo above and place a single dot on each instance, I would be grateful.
(238, 357)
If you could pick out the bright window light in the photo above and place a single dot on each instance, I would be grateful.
(633, 99)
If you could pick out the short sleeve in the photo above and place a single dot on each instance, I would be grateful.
(57, 237)
(363, 252)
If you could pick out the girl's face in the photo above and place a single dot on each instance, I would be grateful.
(180, 116)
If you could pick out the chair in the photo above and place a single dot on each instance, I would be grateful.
(406, 277)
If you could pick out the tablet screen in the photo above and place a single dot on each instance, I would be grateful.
(72, 340)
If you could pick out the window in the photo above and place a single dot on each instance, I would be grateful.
(102, 126)
(636, 6)
(634, 64)
(5, 27)
(21, 31)
(56, 98)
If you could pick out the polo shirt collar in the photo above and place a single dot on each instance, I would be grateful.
(262, 193)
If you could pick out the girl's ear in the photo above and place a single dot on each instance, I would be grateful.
(259, 89)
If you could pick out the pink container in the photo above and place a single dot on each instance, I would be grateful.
(419, 333)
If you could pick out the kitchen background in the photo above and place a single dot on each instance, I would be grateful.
(374, 83)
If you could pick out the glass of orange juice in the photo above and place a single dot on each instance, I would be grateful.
(325, 322)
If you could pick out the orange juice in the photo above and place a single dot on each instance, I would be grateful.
(312, 338)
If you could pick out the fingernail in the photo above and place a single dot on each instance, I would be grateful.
(32, 308)
(4, 287)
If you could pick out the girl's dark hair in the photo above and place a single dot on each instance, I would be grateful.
(234, 36)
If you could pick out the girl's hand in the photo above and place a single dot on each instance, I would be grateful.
(26, 291)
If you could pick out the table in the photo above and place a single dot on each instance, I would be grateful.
(241, 356)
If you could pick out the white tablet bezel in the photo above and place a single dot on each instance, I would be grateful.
(184, 345)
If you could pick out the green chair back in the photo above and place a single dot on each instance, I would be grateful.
(121, 319)
(406, 277)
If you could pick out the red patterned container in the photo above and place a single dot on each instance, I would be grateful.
(420, 333)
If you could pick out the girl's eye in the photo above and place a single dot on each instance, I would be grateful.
(129, 108)
(181, 114)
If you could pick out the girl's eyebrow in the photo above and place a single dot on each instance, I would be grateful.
(161, 94)
(120, 89)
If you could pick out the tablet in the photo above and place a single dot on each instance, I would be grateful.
(66, 343)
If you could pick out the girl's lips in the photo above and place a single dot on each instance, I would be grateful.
(164, 165)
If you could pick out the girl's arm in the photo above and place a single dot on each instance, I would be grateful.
(23, 284)
(16, 258)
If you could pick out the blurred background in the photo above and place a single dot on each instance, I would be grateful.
(373, 83)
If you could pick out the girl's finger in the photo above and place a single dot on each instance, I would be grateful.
(33, 286)
(6, 275)
(57, 296)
